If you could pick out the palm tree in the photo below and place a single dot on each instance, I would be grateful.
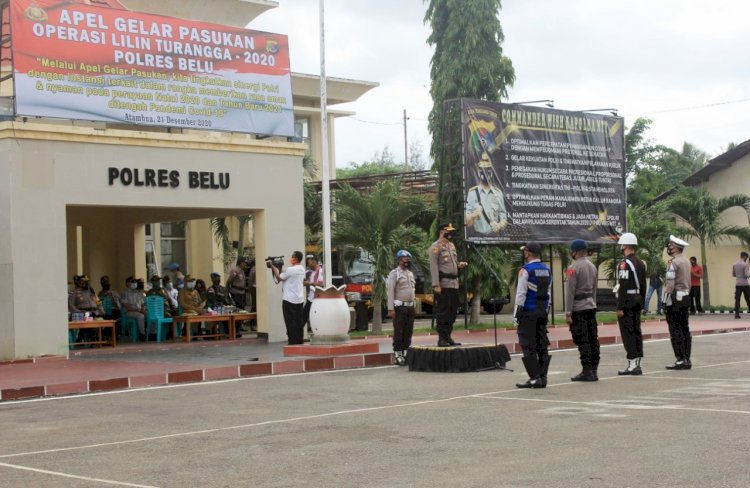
(480, 280)
(701, 213)
(379, 222)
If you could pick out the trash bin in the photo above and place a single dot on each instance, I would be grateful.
(360, 309)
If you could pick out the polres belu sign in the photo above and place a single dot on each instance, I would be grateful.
(541, 174)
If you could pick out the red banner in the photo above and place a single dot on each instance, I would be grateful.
(112, 55)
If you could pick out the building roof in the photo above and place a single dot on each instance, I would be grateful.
(338, 90)
(236, 13)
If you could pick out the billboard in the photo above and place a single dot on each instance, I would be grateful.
(541, 174)
(89, 62)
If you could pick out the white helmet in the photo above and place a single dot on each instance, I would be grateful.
(628, 239)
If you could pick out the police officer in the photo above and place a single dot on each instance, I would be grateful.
(237, 283)
(83, 298)
(532, 300)
(631, 290)
(444, 266)
(677, 302)
(485, 203)
(217, 295)
(580, 310)
(401, 298)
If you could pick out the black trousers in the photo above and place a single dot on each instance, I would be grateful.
(532, 334)
(293, 316)
(695, 299)
(306, 315)
(586, 337)
(446, 309)
(403, 327)
(739, 292)
(630, 330)
(679, 331)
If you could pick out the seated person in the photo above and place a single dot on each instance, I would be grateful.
(217, 295)
(157, 290)
(83, 299)
(200, 287)
(189, 299)
(166, 283)
(108, 292)
(134, 304)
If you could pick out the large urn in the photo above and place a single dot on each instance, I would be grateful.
(329, 316)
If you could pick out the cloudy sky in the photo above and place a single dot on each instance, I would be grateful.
(684, 64)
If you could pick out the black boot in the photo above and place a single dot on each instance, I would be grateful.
(532, 368)
(584, 375)
(451, 342)
(680, 364)
(633, 369)
(544, 360)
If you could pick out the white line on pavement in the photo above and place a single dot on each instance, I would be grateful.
(82, 478)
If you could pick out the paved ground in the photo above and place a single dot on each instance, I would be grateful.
(376, 427)
(151, 364)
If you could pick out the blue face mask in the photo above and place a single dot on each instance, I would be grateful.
(133, 285)
(169, 285)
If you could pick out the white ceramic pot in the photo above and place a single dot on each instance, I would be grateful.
(329, 316)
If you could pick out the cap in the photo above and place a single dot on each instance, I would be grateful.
(139, 280)
(215, 275)
(155, 278)
(447, 226)
(311, 256)
(84, 277)
(485, 162)
(533, 247)
(677, 241)
(174, 266)
(403, 253)
(578, 245)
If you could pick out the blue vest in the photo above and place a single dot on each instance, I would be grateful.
(537, 292)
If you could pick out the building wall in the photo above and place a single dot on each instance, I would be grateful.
(732, 180)
(55, 177)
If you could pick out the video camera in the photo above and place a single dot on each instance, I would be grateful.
(275, 261)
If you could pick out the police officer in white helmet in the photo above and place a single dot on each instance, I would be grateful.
(631, 290)
(677, 302)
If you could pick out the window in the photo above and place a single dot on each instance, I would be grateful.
(173, 248)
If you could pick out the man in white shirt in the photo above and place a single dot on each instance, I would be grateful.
(293, 297)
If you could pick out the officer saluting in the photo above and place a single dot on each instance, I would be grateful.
(580, 310)
(677, 302)
(444, 266)
(532, 300)
(631, 290)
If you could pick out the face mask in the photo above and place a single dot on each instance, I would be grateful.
(157, 285)
(449, 236)
(405, 264)
(169, 285)
(191, 284)
(133, 286)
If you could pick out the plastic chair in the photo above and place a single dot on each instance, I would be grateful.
(107, 306)
(127, 323)
(155, 317)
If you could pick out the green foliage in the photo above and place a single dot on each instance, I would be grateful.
(313, 202)
(379, 223)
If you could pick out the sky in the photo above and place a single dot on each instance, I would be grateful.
(682, 63)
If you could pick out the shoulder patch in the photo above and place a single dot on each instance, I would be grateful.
(571, 272)
(435, 250)
(623, 265)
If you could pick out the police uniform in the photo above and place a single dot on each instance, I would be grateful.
(532, 302)
(237, 284)
(444, 272)
(580, 307)
(400, 287)
(83, 299)
(631, 291)
(218, 296)
(677, 302)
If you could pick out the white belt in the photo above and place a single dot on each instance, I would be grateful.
(632, 292)
(399, 303)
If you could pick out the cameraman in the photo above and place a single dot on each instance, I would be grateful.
(293, 296)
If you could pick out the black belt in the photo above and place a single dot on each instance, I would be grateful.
(583, 296)
(447, 276)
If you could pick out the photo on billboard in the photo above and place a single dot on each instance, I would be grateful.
(533, 173)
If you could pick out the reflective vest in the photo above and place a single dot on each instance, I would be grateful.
(537, 292)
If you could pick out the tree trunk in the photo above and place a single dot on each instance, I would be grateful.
(377, 314)
(476, 301)
(706, 290)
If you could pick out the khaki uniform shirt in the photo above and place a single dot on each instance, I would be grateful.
(84, 301)
(190, 300)
(678, 274)
(582, 277)
(443, 258)
(134, 298)
(400, 286)
(236, 281)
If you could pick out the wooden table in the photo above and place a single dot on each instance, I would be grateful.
(98, 325)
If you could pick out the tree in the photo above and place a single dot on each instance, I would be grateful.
(313, 202)
(468, 62)
(701, 214)
(379, 222)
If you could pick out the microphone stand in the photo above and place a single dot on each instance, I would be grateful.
(492, 300)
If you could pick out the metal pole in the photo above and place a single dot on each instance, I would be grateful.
(406, 151)
(324, 163)
(551, 288)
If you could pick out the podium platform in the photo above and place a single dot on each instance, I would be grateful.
(457, 359)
